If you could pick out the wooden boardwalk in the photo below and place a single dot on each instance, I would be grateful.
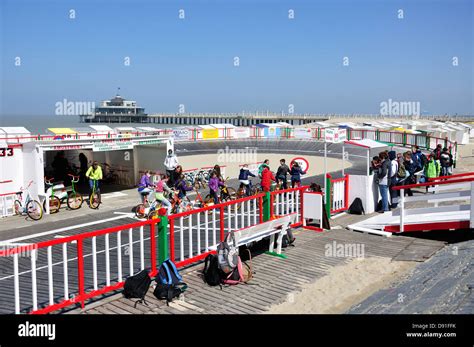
(275, 278)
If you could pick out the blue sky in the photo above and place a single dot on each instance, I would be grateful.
(282, 61)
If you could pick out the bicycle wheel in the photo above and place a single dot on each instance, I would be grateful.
(256, 190)
(140, 211)
(34, 210)
(54, 204)
(94, 201)
(17, 206)
(74, 201)
(230, 195)
(153, 214)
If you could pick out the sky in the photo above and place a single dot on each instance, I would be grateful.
(283, 61)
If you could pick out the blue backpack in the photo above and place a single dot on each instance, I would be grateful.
(169, 283)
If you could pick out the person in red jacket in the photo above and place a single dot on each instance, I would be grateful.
(267, 178)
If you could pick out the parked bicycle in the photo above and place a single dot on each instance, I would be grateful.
(74, 198)
(54, 200)
(27, 205)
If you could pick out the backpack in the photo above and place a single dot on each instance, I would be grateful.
(402, 172)
(242, 273)
(211, 272)
(356, 207)
(136, 286)
(227, 255)
(169, 283)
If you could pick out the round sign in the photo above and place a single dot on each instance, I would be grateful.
(302, 162)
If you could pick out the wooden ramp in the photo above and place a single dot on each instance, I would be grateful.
(275, 278)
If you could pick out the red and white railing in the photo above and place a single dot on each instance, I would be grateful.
(90, 264)
(337, 194)
(446, 188)
(194, 233)
(288, 201)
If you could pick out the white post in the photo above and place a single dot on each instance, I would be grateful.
(142, 250)
(50, 275)
(325, 164)
(65, 272)
(33, 279)
(181, 239)
(368, 162)
(107, 260)
(402, 209)
(343, 160)
(16, 283)
(471, 202)
(130, 250)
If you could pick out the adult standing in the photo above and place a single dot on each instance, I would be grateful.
(267, 178)
(437, 152)
(410, 168)
(171, 163)
(383, 180)
(446, 161)
(393, 179)
(281, 174)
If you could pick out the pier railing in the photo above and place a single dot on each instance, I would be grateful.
(51, 275)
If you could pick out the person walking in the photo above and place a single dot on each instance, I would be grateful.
(171, 163)
(282, 172)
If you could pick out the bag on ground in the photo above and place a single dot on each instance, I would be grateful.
(228, 254)
(211, 272)
(356, 207)
(242, 273)
(136, 286)
(169, 283)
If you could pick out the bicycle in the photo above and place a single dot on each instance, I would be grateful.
(226, 194)
(74, 198)
(31, 207)
(242, 192)
(94, 197)
(199, 180)
(53, 200)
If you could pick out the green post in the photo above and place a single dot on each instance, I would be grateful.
(266, 207)
(162, 239)
(427, 142)
(404, 139)
(328, 195)
(377, 135)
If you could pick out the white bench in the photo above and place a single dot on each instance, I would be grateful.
(278, 226)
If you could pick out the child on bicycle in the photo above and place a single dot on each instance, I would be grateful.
(145, 186)
(214, 184)
(182, 187)
(160, 190)
(244, 178)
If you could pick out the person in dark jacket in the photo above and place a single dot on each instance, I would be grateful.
(446, 161)
(244, 178)
(182, 187)
(411, 168)
(296, 173)
(383, 180)
(282, 172)
(437, 151)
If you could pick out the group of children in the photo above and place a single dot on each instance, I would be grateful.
(267, 176)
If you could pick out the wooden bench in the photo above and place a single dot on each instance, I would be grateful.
(271, 228)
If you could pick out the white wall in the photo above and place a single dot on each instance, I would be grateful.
(11, 168)
(363, 187)
(149, 157)
(33, 168)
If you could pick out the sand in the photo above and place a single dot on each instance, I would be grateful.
(344, 286)
(316, 164)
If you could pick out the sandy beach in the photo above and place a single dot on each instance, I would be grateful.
(316, 163)
(344, 286)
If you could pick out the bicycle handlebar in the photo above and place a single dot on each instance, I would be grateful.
(75, 179)
(48, 180)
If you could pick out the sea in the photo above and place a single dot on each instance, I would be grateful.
(40, 124)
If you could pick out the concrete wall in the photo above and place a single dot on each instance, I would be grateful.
(149, 157)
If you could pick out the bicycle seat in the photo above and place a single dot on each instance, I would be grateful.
(144, 193)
